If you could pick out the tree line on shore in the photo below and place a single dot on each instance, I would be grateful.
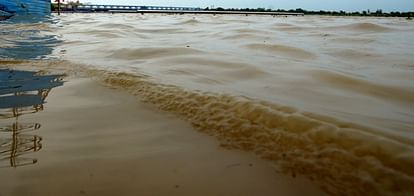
(377, 13)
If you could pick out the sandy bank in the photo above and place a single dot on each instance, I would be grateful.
(100, 141)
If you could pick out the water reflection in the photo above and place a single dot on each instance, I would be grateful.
(28, 37)
(21, 93)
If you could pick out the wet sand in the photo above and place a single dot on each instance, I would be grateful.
(101, 141)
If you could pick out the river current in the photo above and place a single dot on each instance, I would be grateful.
(331, 98)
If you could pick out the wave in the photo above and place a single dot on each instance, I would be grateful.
(353, 40)
(100, 33)
(284, 50)
(116, 26)
(397, 94)
(238, 21)
(353, 54)
(404, 67)
(210, 71)
(27, 41)
(344, 158)
(355, 27)
(189, 22)
(160, 30)
(287, 27)
(252, 31)
(363, 27)
(148, 53)
(138, 29)
(243, 36)
(209, 63)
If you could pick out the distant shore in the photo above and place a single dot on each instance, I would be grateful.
(192, 12)
(219, 10)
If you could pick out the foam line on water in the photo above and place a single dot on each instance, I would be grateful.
(344, 158)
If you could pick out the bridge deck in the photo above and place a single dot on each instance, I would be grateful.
(162, 9)
(207, 12)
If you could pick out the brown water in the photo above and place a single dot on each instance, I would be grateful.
(359, 69)
(328, 97)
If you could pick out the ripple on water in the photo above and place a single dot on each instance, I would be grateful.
(283, 50)
(363, 27)
(150, 53)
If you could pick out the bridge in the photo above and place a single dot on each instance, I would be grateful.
(163, 9)
(108, 8)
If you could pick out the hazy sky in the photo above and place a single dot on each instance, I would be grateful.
(348, 5)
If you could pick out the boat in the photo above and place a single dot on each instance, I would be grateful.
(5, 15)
(25, 7)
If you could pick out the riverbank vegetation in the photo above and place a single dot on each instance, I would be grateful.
(377, 13)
